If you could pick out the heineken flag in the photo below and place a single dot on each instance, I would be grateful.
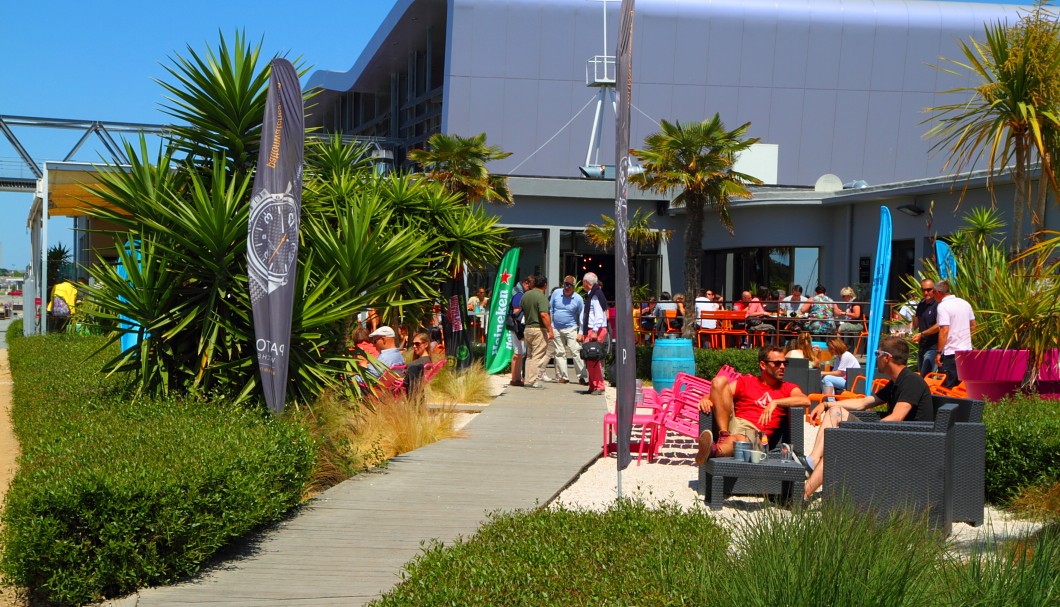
(625, 355)
(498, 337)
(272, 234)
(454, 323)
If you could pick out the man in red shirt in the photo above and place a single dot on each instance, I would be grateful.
(748, 405)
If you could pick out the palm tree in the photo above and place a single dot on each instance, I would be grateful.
(697, 159)
(639, 234)
(1012, 115)
(459, 164)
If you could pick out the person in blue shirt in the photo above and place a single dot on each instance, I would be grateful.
(566, 308)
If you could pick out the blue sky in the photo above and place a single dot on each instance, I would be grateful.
(98, 61)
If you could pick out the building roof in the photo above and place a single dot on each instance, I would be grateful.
(839, 85)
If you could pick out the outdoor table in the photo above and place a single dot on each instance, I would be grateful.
(722, 473)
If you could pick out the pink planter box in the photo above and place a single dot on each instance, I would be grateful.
(995, 374)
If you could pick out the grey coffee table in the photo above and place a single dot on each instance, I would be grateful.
(722, 473)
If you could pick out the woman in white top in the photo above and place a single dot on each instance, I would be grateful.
(842, 361)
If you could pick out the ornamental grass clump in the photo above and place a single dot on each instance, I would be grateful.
(835, 555)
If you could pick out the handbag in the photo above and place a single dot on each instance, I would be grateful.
(59, 307)
(514, 323)
(593, 350)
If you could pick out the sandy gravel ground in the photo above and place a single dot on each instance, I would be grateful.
(674, 478)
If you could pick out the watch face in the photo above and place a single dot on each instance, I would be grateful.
(274, 236)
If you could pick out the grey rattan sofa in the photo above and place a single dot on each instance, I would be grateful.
(968, 451)
(790, 432)
(937, 468)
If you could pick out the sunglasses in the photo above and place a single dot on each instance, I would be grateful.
(418, 343)
(568, 284)
(777, 363)
(882, 353)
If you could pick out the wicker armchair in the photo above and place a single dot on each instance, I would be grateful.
(790, 432)
(888, 466)
(968, 453)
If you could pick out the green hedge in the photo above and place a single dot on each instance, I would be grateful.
(628, 555)
(115, 493)
(1022, 446)
(707, 361)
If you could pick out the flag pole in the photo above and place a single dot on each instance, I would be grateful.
(625, 363)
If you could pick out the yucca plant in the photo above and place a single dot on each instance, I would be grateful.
(179, 223)
(1016, 300)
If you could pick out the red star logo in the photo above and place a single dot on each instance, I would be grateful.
(505, 277)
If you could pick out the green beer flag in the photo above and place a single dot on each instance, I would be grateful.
(498, 338)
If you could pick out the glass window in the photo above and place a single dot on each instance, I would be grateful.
(778, 268)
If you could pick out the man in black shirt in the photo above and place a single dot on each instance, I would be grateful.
(907, 397)
(926, 323)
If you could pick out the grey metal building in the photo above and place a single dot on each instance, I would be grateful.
(832, 86)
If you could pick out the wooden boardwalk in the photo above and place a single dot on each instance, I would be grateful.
(348, 545)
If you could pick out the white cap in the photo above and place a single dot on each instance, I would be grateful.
(382, 332)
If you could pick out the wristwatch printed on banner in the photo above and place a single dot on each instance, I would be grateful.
(273, 238)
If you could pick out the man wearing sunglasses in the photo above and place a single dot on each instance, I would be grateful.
(748, 405)
(907, 397)
(925, 321)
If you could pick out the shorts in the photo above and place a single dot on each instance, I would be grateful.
(739, 425)
(518, 346)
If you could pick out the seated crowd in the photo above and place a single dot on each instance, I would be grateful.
(751, 406)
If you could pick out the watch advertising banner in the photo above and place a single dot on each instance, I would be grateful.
(272, 233)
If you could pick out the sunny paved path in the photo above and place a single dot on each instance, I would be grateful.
(348, 545)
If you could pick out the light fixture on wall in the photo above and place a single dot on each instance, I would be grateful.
(910, 209)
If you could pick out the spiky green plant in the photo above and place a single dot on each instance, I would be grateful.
(179, 223)
(1012, 117)
(1016, 301)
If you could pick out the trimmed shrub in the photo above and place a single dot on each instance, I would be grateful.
(1022, 446)
(116, 493)
(14, 330)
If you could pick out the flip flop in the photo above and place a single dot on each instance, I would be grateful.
(805, 460)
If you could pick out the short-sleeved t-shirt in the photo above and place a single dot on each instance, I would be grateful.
(752, 396)
(533, 304)
(926, 314)
(957, 314)
(910, 388)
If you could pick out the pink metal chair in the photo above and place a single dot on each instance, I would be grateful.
(682, 413)
(682, 404)
(648, 416)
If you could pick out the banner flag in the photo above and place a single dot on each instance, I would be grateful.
(879, 294)
(498, 337)
(625, 355)
(132, 333)
(272, 233)
(454, 323)
(947, 263)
